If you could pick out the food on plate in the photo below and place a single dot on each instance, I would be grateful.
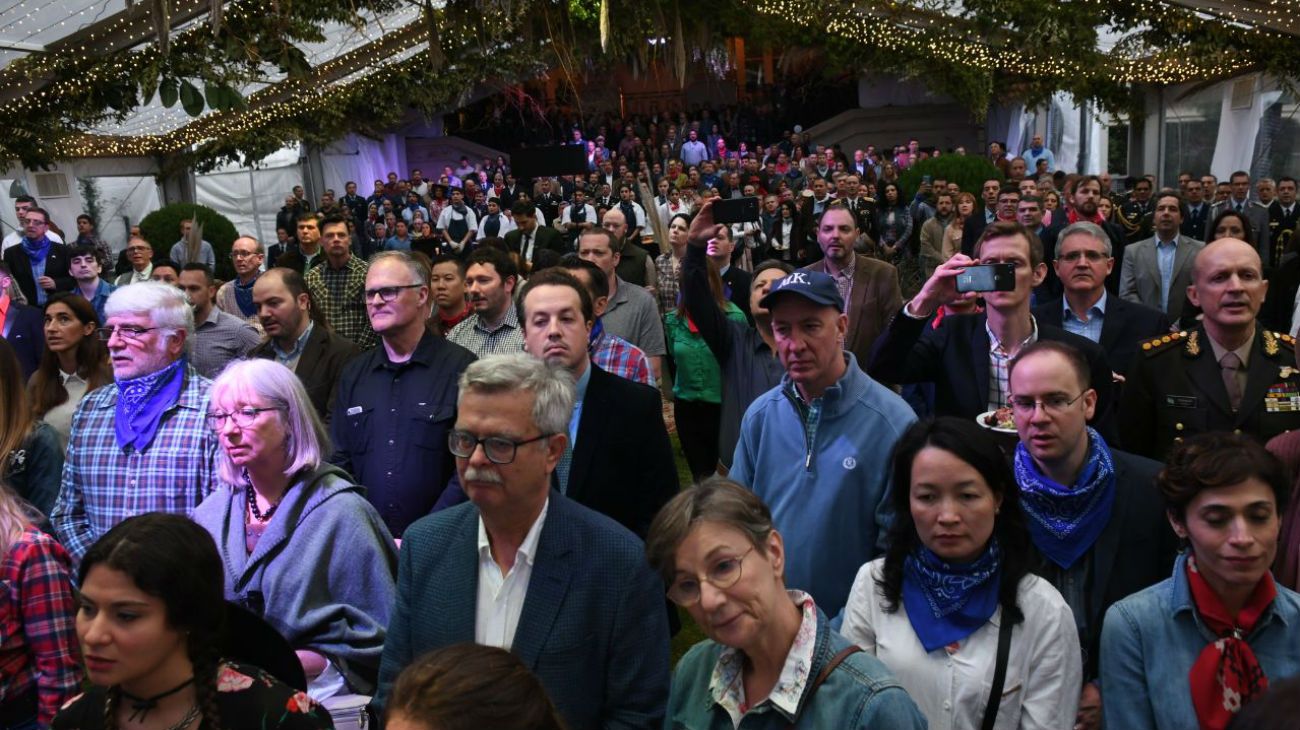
(1001, 418)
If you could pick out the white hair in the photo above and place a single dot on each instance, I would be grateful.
(267, 380)
(165, 304)
(552, 386)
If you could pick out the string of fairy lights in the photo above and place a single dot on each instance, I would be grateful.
(931, 28)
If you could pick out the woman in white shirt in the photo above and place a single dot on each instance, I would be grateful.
(956, 571)
(75, 362)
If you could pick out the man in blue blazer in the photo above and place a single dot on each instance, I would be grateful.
(524, 568)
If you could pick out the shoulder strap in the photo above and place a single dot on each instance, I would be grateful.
(999, 674)
(821, 677)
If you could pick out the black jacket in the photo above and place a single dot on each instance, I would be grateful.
(56, 267)
(319, 367)
(1124, 328)
(25, 331)
(623, 463)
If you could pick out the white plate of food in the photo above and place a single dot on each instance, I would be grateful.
(999, 420)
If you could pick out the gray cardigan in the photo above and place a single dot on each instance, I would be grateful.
(325, 568)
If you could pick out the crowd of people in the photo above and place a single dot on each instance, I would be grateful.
(425, 440)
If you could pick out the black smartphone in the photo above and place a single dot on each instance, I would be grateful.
(987, 277)
(735, 210)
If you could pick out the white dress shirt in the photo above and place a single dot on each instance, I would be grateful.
(951, 685)
(501, 597)
(60, 417)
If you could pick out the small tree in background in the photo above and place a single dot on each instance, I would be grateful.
(969, 172)
(162, 228)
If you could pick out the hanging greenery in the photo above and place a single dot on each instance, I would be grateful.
(974, 51)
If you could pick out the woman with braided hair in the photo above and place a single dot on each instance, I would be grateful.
(150, 612)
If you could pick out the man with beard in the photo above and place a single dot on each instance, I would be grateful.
(493, 329)
(1083, 207)
(931, 246)
(337, 286)
(314, 353)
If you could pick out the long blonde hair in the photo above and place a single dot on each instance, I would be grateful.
(16, 515)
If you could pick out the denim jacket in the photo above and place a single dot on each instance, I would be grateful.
(1150, 640)
(860, 693)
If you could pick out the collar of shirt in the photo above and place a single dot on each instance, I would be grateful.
(421, 355)
(527, 549)
(1165, 244)
(298, 345)
(509, 321)
(143, 275)
(620, 295)
(213, 319)
(1066, 313)
(70, 378)
(728, 688)
(1243, 352)
(995, 346)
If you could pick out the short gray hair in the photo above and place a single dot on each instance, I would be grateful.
(416, 267)
(166, 306)
(1087, 228)
(552, 387)
(277, 385)
(714, 500)
(257, 245)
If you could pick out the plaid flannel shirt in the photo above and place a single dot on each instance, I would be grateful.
(341, 296)
(615, 355)
(40, 651)
(104, 484)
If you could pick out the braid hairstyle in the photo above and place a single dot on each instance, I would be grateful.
(207, 667)
(187, 577)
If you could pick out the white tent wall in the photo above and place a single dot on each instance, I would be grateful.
(1239, 124)
(363, 160)
(127, 192)
(251, 196)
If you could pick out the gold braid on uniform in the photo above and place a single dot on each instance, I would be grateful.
(1156, 344)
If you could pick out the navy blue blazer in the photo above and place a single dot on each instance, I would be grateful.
(593, 626)
(25, 331)
(1124, 328)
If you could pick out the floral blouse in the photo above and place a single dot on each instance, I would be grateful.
(247, 697)
(728, 689)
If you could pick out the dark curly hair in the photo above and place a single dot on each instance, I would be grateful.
(1217, 459)
(186, 576)
(979, 448)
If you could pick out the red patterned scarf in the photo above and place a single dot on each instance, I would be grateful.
(1226, 676)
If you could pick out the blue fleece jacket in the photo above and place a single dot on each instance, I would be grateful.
(826, 482)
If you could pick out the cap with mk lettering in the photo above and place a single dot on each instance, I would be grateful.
(814, 286)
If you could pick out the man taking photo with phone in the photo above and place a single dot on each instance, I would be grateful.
(967, 356)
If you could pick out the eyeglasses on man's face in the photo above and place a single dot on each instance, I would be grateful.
(125, 331)
(387, 294)
(498, 449)
(237, 254)
(1051, 403)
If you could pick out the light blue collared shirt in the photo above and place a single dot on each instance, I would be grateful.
(1090, 328)
(1165, 251)
(581, 387)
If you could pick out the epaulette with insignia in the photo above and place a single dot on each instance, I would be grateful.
(1286, 340)
(1156, 344)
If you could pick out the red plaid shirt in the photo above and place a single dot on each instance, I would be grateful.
(38, 624)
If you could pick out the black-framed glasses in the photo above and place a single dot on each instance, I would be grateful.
(498, 449)
(243, 417)
(723, 574)
(1051, 403)
(389, 293)
(126, 331)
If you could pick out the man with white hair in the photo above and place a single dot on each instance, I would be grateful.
(138, 444)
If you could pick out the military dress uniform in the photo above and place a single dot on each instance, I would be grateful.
(1134, 219)
(1281, 229)
(1175, 389)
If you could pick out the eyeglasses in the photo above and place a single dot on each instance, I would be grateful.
(1092, 256)
(243, 417)
(243, 254)
(723, 574)
(125, 331)
(389, 293)
(498, 449)
(136, 249)
(1052, 403)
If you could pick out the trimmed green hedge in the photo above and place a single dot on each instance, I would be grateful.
(162, 228)
(967, 171)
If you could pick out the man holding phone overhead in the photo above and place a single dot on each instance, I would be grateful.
(967, 356)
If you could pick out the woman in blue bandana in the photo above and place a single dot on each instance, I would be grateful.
(955, 574)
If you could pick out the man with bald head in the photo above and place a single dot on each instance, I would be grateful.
(1227, 374)
(236, 296)
(634, 265)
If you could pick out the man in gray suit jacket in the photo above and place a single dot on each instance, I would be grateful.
(1255, 215)
(524, 568)
(1142, 278)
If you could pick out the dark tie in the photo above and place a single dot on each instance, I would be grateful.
(1231, 365)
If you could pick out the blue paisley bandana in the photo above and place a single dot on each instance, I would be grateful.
(1065, 521)
(946, 602)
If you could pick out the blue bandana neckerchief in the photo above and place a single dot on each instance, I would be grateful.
(36, 249)
(1065, 521)
(142, 401)
(244, 297)
(947, 602)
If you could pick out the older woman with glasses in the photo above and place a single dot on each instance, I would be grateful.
(771, 659)
(1193, 650)
(302, 546)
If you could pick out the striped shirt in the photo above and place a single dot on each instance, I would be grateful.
(104, 483)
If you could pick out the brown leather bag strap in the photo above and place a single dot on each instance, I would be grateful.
(835, 661)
